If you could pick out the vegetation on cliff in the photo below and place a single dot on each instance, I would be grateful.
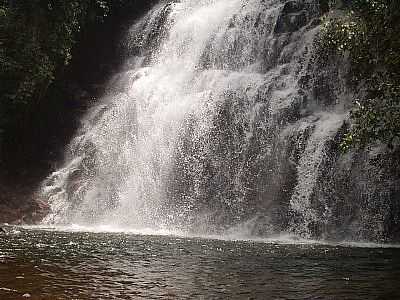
(368, 33)
(47, 70)
(36, 39)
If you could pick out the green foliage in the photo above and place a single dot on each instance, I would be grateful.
(369, 34)
(36, 40)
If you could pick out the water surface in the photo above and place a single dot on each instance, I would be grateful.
(84, 265)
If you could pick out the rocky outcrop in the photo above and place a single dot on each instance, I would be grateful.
(292, 18)
(18, 207)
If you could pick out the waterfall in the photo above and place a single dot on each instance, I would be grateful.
(222, 119)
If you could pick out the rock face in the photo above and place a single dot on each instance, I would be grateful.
(293, 16)
(19, 207)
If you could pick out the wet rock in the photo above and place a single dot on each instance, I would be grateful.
(293, 16)
(291, 7)
(31, 212)
(291, 23)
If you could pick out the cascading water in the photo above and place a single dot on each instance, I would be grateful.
(222, 120)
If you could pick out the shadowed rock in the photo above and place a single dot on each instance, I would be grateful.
(293, 16)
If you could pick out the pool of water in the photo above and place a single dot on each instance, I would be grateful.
(50, 264)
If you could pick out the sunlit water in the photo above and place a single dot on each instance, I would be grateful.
(48, 264)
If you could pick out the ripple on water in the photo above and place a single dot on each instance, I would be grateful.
(87, 265)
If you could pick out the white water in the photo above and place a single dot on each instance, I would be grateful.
(135, 139)
(283, 238)
(195, 132)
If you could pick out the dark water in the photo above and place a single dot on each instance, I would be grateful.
(66, 265)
